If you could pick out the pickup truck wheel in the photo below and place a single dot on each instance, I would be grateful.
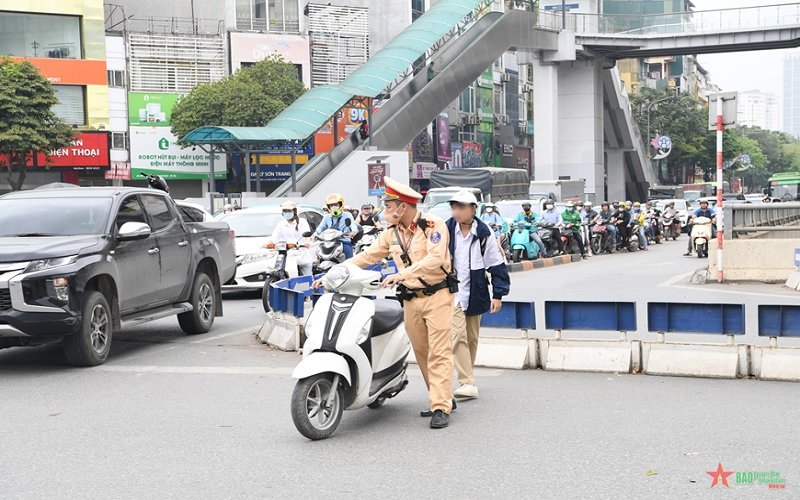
(90, 345)
(201, 317)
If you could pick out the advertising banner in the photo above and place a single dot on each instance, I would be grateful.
(119, 171)
(88, 151)
(348, 121)
(443, 151)
(472, 155)
(154, 150)
(422, 170)
(457, 153)
(150, 109)
(376, 173)
(249, 48)
(422, 147)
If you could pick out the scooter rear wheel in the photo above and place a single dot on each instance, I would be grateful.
(265, 294)
(517, 254)
(311, 414)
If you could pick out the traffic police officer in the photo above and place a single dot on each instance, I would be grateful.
(419, 244)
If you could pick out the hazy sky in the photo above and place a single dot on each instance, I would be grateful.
(762, 70)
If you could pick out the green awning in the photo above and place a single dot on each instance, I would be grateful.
(315, 107)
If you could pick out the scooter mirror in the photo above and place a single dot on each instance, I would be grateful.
(308, 234)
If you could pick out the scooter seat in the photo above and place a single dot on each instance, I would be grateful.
(388, 315)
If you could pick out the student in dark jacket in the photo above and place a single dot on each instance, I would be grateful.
(474, 250)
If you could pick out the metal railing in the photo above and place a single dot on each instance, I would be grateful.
(744, 220)
(686, 22)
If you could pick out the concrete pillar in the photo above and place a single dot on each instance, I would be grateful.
(580, 134)
(616, 174)
(545, 119)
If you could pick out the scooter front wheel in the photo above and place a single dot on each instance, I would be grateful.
(265, 294)
(517, 256)
(314, 416)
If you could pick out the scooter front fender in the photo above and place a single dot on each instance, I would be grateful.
(322, 362)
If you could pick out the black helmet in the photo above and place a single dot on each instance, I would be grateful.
(604, 204)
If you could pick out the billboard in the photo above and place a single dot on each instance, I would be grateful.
(249, 48)
(149, 109)
(376, 173)
(443, 150)
(457, 153)
(422, 147)
(347, 121)
(155, 150)
(472, 152)
(88, 151)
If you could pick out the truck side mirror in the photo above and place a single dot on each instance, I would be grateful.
(134, 231)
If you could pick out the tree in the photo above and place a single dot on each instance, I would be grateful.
(251, 97)
(28, 125)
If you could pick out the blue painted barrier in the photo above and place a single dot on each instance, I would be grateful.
(517, 315)
(285, 297)
(722, 319)
(778, 321)
(619, 316)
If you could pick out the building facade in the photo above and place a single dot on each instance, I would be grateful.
(791, 95)
(65, 39)
(758, 109)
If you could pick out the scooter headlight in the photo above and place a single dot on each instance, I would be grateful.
(337, 277)
(365, 331)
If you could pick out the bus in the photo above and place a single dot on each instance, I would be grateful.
(785, 186)
(693, 192)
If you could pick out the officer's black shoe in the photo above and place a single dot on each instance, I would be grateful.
(428, 413)
(440, 420)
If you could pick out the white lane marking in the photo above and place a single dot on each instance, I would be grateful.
(225, 335)
(211, 370)
(675, 279)
(788, 298)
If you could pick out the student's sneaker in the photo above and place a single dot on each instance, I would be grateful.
(466, 391)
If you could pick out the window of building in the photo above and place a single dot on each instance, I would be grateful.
(40, 35)
(119, 140)
(466, 101)
(115, 78)
(417, 9)
(268, 15)
(71, 105)
(467, 133)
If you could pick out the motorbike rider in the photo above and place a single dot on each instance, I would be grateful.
(552, 217)
(340, 220)
(606, 218)
(367, 217)
(570, 215)
(622, 220)
(532, 218)
(589, 218)
(290, 230)
(703, 211)
(492, 219)
(639, 216)
(654, 217)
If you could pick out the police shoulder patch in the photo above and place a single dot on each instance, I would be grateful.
(436, 237)
(431, 223)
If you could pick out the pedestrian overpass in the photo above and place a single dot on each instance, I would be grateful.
(584, 125)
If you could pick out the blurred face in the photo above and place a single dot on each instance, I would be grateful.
(394, 210)
(463, 214)
(671, 205)
(549, 206)
(366, 210)
(704, 205)
(526, 208)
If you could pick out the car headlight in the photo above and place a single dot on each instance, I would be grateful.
(337, 277)
(255, 257)
(43, 265)
(364, 333)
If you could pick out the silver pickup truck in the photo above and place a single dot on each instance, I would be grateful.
(77, 264)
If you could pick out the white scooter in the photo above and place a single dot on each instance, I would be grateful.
(701, 235)
(367, 239)
(354, 354)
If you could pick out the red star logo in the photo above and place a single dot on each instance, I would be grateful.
(719, 476)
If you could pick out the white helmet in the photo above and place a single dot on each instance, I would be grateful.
(464, 197)
(289, 205)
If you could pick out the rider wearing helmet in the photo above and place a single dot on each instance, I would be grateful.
(492, 219)
(572, 216)
(340, 220)
(589, 217)
(622, 220)
(227, 208)
(532, 218)
(551, 216)
(640, 217)
(605, 217)
(703, 211)
(290, 230)
(367, 217)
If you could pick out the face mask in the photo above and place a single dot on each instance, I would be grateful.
(526, 210)
(488, 210)
(570, 209)
(288, 215)
(549, 207)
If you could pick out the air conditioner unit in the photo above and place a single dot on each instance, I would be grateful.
(505, 77)
(474, 120)
(527, 88)
(464, 119)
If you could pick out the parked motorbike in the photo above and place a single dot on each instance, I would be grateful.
(330, 251)
(701, 235)
(568, 239)
(353, 356)
(521, 245)
(548, 232)
(156, 182)
(601, 240)
(288, 258)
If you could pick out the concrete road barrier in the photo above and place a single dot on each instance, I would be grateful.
(695, 360)
(587, 355)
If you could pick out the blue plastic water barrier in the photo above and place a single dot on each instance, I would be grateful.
(723, 319)
(619, 316)
(778, 321)
(517, 315)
